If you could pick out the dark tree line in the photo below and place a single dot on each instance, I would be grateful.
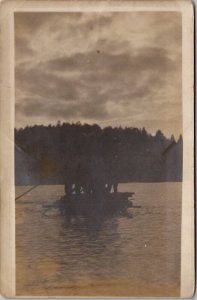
(129, 154)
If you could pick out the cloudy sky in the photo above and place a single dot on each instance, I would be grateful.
(121, 68)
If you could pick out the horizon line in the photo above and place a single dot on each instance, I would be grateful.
(60, 123)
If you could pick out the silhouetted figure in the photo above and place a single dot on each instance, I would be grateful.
(68, 178)
(112, 174)
(98, 177)
(112, 186)
(68, 188)
(82, 178)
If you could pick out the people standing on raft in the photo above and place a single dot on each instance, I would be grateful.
(95, 178)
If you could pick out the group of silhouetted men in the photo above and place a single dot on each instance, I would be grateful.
(94, 178)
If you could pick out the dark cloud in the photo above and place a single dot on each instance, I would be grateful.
(155, 59)
(88, 25)
(22, 47)
(76, 22)
(72, 111)
(46, 85)
(111, 46)
(32, 106)
(85, 110)
(27, 23)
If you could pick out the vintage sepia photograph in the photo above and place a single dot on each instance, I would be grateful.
(98, 153)
(99, 150)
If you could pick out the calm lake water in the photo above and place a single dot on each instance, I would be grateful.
(134, 255)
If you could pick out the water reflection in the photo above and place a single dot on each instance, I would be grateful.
(91, 227)
(94, 248)
(123, 254)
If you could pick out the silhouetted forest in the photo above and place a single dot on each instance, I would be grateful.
(128, 154)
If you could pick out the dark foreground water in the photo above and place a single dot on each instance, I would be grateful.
(134, 255)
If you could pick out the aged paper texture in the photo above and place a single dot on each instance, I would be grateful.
(97, 148)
